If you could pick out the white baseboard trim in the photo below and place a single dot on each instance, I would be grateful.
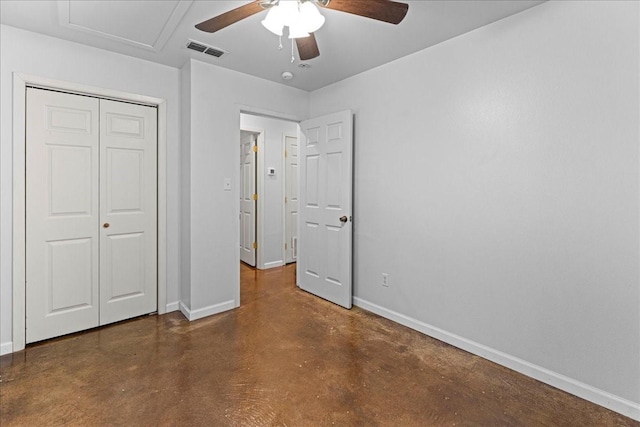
(206, 311)
(174, 306)
(6, 348)
(273, 264)
(600, 397)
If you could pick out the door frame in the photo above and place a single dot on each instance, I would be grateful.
(260, 172)
(255, 111)
(20, 83)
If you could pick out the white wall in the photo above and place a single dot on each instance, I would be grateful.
(274, 130)
(496, 181)
(33, 54)
(217, 97)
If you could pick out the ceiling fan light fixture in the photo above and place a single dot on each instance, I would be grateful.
(274, 21)
(290, 11)
(297, 31)
(302, 18)
(310, 17)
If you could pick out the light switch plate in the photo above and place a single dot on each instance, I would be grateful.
(227, 184)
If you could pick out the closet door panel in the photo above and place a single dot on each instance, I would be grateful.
(128, 211)
(62, 141)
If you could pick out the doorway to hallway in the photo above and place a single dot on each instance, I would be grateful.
(268, 191)
(323, 215)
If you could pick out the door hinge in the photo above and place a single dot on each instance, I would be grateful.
(255, 245)
(255, 148)
(286, 153)
(285, 199)
(255, 197)
(285, 246)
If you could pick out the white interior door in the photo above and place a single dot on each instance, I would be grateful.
(91, 212)
(128, 210)
(291, 199)
(247, 199)
(325, 235)
(61, 214)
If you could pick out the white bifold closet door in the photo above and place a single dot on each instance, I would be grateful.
(91, 212)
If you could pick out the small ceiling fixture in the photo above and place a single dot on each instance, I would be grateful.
(302, 18)
(287, 75)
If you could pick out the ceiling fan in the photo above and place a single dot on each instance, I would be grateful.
(381, 10)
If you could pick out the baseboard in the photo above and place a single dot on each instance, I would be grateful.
(174, 306)
(206, 311)
(273, 264)
(6, 348)
(600, 397)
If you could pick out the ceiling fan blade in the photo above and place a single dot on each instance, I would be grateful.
(381, 10)
(307, 47)
(221, 21)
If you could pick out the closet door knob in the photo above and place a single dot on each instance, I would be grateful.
(105, 225)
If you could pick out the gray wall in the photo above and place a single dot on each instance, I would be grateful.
(496, 181)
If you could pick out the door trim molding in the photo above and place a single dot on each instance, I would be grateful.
(20, 83)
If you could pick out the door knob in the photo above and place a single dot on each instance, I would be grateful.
(343, 219)
(105, 225)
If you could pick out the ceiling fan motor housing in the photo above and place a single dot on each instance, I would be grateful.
(266, 4)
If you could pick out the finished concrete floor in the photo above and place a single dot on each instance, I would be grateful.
(284, 358)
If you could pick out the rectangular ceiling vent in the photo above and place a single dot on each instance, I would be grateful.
(214, 52)
(206, 49)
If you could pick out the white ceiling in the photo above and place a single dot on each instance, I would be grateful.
(159, 30)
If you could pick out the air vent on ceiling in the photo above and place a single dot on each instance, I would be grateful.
(203, 48)
(196, 46)
(214, 52)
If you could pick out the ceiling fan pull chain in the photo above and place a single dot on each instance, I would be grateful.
(293, 58)
(280, 39)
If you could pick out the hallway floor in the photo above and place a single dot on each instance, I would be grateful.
(284, 358)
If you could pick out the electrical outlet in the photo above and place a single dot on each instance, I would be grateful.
(385, 280)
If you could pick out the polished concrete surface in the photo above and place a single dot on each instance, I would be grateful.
(284, 358)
